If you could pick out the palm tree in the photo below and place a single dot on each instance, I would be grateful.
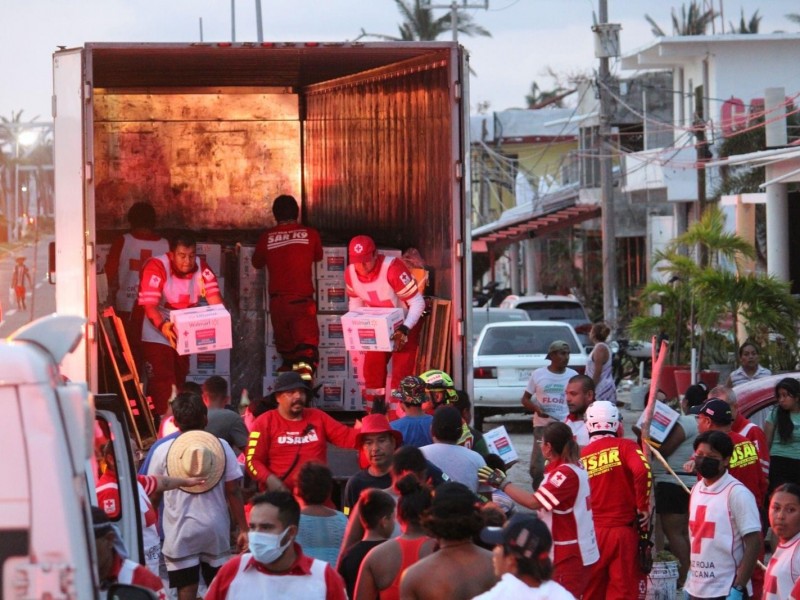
(700, 297)
(793, 17)
(419, 23)
(750, 26)
(694, 21)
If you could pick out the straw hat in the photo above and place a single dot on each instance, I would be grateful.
(197, 454)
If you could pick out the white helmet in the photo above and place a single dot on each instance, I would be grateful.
(602, 417)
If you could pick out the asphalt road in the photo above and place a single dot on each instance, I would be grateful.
(41, 296)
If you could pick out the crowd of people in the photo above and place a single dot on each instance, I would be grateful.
(249, 506)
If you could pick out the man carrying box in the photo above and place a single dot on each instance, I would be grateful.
(375, 280)
(289, 251)
(175, 280)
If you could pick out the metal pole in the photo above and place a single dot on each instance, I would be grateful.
(233, 21)
(454, 20)
(12, 216)
(609, 249)
(259, 24)
(201, 29)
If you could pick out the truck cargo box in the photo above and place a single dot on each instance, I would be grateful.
(370, 138)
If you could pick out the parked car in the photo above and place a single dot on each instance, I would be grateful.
(505, 356)
(483, 315)
(756, 399)
(545, 307)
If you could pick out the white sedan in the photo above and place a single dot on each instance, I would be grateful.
(505, 356)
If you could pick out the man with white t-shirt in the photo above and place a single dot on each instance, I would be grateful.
(580, 394)
(545, 397)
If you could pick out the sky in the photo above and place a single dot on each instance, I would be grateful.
(528, 36)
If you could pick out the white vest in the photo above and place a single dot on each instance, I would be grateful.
(783, 570)
(582, 513)
(174, 289)
(716, 550)
(378, 292)
(252, 584)
(131, 260)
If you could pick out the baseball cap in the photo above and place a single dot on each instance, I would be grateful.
(525, 536)
(361, 249)
(557, 346)
(290, 380)
(715, 409)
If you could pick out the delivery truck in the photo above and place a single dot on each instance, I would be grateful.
(371, 138)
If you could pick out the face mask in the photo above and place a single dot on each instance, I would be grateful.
(707, 467)
(266, 547)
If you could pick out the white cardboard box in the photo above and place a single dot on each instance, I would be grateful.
(664, 419)
(333, 363)
(352, 395)
(371, 329)
(499, 442)
(268, 385)
(331, 334)
(331, 296)
(101, 252)
(202, 329)
(210, 363)
(333, 263)
(212, 254)
(273, 361)
(331, 394)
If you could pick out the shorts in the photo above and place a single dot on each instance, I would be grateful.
(191, 575)
(671, 499)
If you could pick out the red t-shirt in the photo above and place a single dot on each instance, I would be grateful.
(746, 466)
(275, 442)
(289, 251)
(619, 477)
(755, 434)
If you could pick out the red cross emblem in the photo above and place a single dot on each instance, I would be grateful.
(701, 529)
(136, 264)
(770, 584)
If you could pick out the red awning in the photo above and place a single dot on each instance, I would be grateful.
(537, 225)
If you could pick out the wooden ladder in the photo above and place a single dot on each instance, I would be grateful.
(129, 387)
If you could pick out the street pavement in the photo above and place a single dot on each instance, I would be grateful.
(41, 295)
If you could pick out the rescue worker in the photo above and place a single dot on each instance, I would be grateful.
(123, 265)
(619, 480)
(724, 525)
(289, 251)
(175, 280)
(442, 391)
(375, 280)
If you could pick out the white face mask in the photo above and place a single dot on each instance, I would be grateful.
(266, 547)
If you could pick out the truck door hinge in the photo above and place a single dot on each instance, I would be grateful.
(90, 258)
(457, 90)
(459, 169)
(87, 91)
(460, 249)
(460, 328)
(91, 331)
(88, 171)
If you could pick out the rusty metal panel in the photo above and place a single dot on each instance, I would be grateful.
(378, 159)
(198, 172)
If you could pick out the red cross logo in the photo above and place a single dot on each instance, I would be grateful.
(136, 265)
(373, 298)
(700, 529)
(771, 584)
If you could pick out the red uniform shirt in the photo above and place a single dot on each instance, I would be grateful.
(619, 477)
(755, 434)
(275, 442)
(289, 251)
(128, 572)
(746, 467)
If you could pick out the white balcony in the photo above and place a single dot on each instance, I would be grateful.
(670, 168)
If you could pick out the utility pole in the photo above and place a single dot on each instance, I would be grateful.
(453, 7)
(607, 46)
(259, 24)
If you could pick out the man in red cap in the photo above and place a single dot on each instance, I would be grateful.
(375, 280)
(378, 441)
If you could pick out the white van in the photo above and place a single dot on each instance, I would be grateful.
(47, 430)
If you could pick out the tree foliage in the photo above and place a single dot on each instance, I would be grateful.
(693, 20)
(420, 24)
(750, 26)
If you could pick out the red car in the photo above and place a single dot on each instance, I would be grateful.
(756, 399)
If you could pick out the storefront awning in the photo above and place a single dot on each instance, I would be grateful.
(501, 234)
